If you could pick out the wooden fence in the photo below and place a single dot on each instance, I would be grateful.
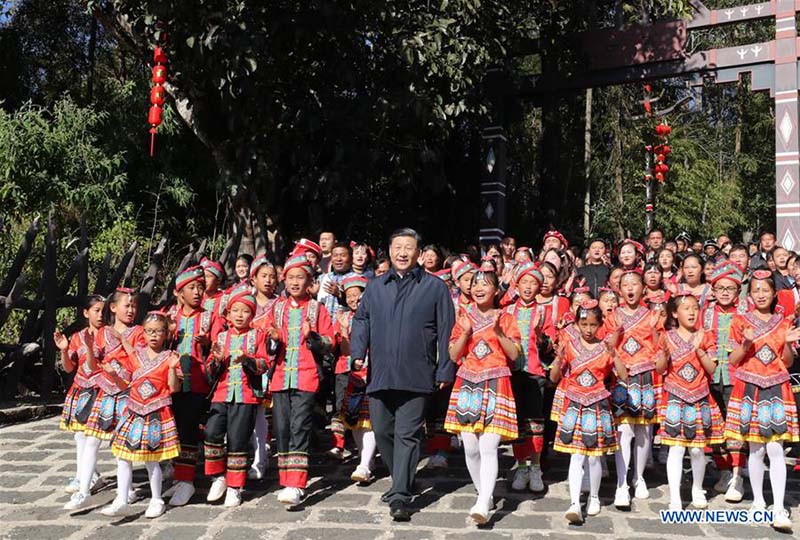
(30, 364)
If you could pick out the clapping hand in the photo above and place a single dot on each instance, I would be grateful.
(498, 329)
(331, 288)
(174, 360)
(216, 353)
(793, 335)
(748, 337)
(698, 340)
(464, 323)
(60, 340)
(273, 333)
(202, 338)
(344, 324)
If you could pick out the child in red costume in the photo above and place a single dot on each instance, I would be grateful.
(303, 329)
(238, 358)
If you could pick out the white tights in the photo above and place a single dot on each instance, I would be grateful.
(777, 472)
(595, 470)
(260, 435)
(480, 451)
(125, 479)
(675, 470)
(80, 442)
(627, 433)
(365, 440)
(88, 463)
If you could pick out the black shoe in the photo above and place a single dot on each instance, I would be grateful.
(415, 490)
(399, 511)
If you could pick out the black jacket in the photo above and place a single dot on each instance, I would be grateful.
(404, 324)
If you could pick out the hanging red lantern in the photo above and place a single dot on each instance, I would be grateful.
(154, 116)
(666, 150)
(660, 178)
(660, 158)
(159, 74)
(157, 94)
(667, 129)
(159, 56)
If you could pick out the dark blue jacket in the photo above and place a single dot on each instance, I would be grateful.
(404, 324)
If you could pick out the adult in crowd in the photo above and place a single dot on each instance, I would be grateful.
(655, 241)
(326, 242)
(766, 243)
(596, 269)
(403, 325)
(330, 293)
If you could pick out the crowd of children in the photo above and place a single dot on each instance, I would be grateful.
(690, 346)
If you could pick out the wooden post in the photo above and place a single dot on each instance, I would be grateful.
(7, 302)
(787, 141)
(105, 266)
(113, 283)
(493, 165)
(230, 252)
(50, 305)
(72, 271)
(201, 251)
(128, 279)
(31, 331)
(149, 282)
(22, 254)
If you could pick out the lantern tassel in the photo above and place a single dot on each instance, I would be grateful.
(152, 141)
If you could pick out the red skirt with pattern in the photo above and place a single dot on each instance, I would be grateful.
(693, 425)
(77, 407)
(484, 407)
(636, 400)
(558, 402)
(107, 412)
(147, 437)
(762, 415)
(589, 430)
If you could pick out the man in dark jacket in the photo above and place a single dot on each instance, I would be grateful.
(403, 325)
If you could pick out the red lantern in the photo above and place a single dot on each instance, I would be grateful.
(159, 56)
(660, 178)
(660, 158)
(667, 150)
(667, 129)
(157, 95)
(159, 74)
(154, 117)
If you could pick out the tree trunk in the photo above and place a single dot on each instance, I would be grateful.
(617, 153)
(587, 166)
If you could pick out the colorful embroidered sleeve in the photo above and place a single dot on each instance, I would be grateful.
(325, 326)
(260, 363)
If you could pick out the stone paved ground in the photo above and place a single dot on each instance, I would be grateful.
(36, 460)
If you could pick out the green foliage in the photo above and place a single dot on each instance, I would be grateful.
(56, 157)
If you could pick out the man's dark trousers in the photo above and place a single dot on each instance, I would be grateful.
(397, 418)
